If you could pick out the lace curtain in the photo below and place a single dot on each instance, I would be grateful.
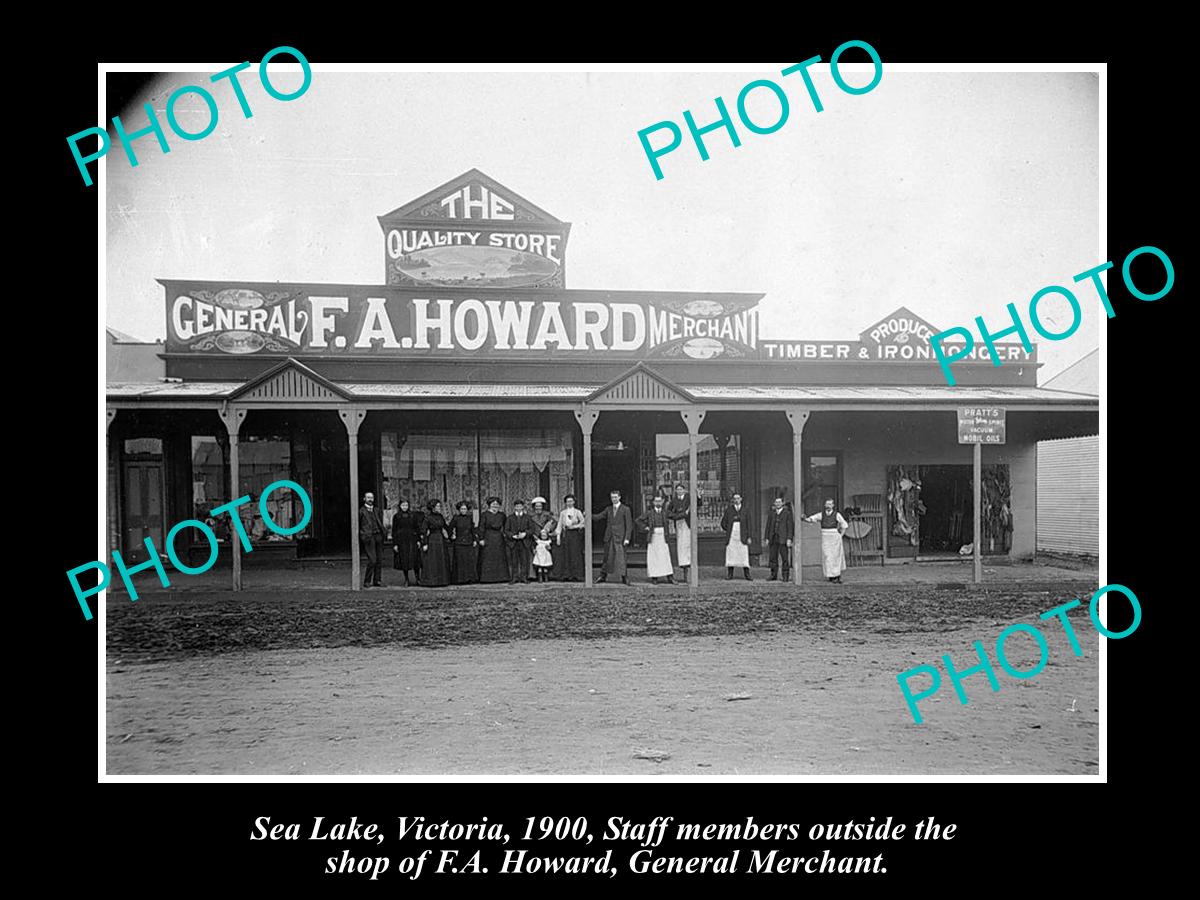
(473, 465)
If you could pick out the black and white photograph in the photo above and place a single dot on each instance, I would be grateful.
(614, 422)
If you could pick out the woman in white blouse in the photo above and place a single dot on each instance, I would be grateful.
(569, 537)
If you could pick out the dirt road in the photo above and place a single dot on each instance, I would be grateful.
(633, 682)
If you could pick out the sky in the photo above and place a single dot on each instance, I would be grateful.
(952, 194)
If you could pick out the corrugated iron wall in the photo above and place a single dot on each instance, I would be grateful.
(1068, 496)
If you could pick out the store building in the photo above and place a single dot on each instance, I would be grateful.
(1068, 485)
(473, 370)
(126, 359)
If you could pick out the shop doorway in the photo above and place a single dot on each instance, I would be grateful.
(613, 468)
(331, 496)
(930, 510)
(947, 522)
(143, 494)
(368, 472)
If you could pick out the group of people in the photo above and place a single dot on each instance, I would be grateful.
(507, 547)
(434, 551)
(619, 525)
(779, 535)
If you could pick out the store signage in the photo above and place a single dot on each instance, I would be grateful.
(451, 258)
(474, 232)
(203, 317)
(794, 351)
(902, 336)
(981, 425)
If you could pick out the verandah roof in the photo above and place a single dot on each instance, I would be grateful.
(818, 394)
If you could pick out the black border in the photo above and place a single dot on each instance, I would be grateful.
(154, 837)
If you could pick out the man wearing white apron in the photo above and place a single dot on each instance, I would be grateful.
(679, 511)
(658, 554)
(833, 560)
(736, 523)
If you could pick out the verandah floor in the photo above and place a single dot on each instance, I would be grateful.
(334, 575)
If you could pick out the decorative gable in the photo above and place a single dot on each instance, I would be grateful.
(639, 386)
(472, 197)
(291, 381)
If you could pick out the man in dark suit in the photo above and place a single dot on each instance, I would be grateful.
(618, 530)
(370, 536)
(778, 533)
(518, 535)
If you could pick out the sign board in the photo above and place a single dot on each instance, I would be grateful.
(242, 318)
(901, 337)
(981, 425)
(474, 232)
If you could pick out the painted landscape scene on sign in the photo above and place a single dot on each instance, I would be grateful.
(480, 266)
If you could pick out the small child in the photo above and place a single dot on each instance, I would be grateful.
(542, 560)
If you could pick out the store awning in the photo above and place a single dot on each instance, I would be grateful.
(766, 395)
(939, 394)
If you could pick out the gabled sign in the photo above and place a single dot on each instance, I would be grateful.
(474, 232)
(901, 327)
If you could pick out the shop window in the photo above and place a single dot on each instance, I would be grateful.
(719, 463)
(524, 464)
(429, 465)
(822, 481)
(143, 447)
(208, 483)
(263, 459)
(996, 517)
(472, 465)
(904, 510)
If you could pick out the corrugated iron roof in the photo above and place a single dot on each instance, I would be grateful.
(191, 389)
(195, 390)
(472, 390)
(873, 394)
(379, 390)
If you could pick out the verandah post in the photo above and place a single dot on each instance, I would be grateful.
(977, 484)
(233, 417)
(352, 419)
(798, 418)
(692, 418)
(112, 513)
(587, 421)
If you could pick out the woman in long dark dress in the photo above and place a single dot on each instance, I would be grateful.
(406, 551)
(435, 568)
(493, 563)
(569, 541)
(464, 540)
